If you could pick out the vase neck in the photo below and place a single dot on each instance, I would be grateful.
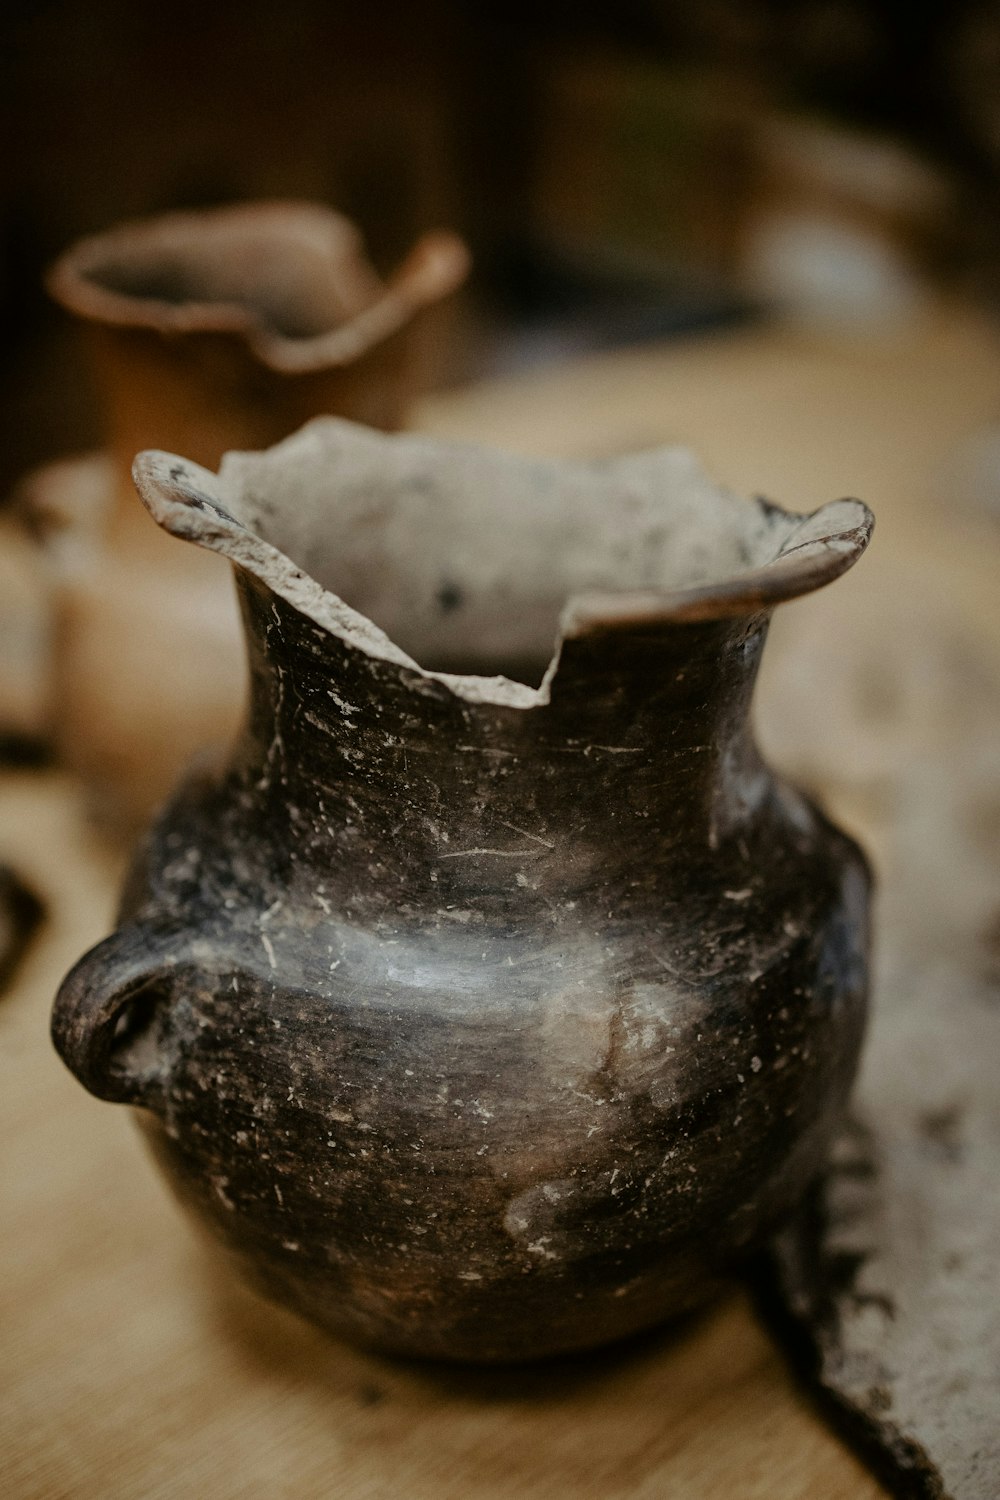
(644, 739)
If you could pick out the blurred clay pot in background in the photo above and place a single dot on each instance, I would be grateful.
(494, 997)
(229, 328)
(208, 331)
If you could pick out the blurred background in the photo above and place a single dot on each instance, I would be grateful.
(766, 228)
(621, 171)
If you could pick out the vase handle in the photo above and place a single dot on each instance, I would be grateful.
(91, 1011)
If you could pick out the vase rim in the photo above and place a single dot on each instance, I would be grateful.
(82, 278)
(190, 502)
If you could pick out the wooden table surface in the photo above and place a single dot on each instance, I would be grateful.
(129, 1368)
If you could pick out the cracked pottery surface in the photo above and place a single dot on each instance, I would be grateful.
(492, 997)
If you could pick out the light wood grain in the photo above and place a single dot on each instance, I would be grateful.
(130, 1367)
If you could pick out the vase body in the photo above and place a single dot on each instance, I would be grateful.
(206, 331)
(483, 1020)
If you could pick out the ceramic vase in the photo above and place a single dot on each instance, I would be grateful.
(494, 998)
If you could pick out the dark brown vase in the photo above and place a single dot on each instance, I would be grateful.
(492, 1006)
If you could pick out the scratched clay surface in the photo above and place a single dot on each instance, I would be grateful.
(487, 1016)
